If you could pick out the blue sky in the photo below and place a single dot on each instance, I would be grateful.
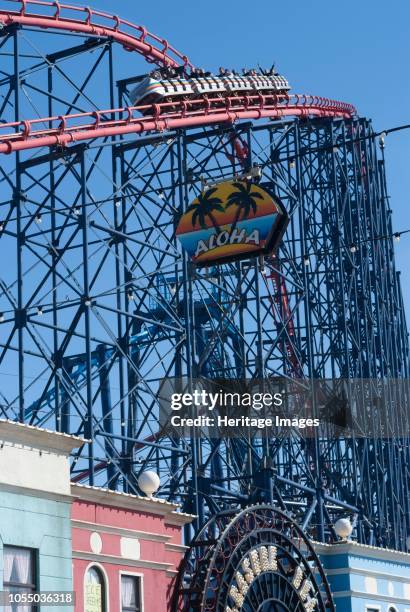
(357, 51)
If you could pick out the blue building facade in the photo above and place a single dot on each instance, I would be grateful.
(366, 578)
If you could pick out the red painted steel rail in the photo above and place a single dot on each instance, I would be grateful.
(67, 129)
(59, 16)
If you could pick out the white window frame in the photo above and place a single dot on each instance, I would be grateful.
(135, 575)
(106, 582)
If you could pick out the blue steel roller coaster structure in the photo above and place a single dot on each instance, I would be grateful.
(101, 304)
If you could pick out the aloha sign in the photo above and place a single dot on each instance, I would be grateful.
(233, 220)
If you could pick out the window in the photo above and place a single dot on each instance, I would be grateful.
(94, 590)
(19, 574)
(131, 600)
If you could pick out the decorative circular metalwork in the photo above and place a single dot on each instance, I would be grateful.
(256, 561)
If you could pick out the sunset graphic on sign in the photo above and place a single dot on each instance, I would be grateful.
(232, 220)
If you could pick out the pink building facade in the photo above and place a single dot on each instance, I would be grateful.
(126, 551)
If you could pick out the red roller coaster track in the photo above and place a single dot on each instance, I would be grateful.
(94, 23)
(30, 134)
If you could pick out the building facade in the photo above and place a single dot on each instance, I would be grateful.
(117, 552)
(126, 550)
(366, 578)
(35, 506)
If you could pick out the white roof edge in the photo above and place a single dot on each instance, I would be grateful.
(180, 518)
(130, 501)
(358, 548)
(38, 437)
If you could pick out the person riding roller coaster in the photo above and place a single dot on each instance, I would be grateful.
(172, 85)
(169, 72)
(253, 72)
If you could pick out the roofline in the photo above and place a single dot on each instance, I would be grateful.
(129, 501)
(355, 548)
(37, 437)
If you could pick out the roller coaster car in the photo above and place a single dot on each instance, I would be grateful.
(153, 89)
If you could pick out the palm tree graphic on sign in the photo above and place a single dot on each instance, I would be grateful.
(244, 199)
(203, 207)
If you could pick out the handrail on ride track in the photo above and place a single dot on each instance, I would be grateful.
(58, 15)
(76, 127)
(158, 117)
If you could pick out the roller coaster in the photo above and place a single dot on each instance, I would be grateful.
(155, 88)
(101, 304)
